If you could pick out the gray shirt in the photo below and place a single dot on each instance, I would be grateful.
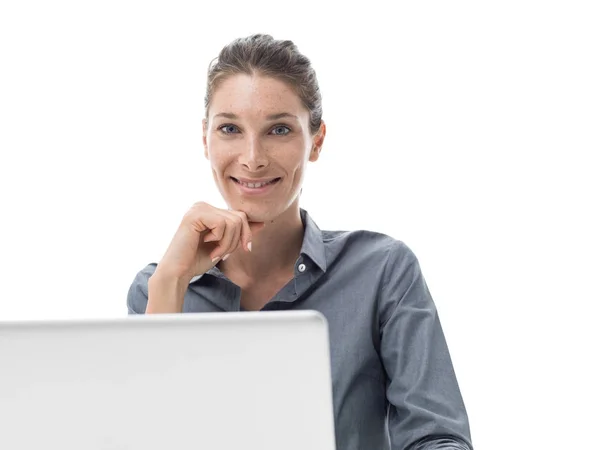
(394, 386)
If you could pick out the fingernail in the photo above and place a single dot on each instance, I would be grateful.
(215, 259)
(249, 246)
(226, 256)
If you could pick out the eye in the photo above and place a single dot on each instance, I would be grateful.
(228, 129)
(281, 130)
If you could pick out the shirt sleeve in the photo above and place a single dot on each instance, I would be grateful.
(137, 297)
(426, 411)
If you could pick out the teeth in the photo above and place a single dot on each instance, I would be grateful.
(254, 185)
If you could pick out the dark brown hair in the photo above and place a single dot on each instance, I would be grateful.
(260, 54)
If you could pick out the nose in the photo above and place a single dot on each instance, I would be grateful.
(254, 155)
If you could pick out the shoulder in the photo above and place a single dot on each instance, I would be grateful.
(386, 263)
(367, 244)
(137, 297)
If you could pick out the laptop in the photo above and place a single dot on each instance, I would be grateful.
(210, 381)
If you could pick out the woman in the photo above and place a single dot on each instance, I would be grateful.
(390, 362)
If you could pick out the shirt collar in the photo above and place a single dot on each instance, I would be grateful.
(312, 246)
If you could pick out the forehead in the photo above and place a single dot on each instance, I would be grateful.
(255, 94)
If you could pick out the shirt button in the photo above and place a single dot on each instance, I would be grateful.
(301, 268)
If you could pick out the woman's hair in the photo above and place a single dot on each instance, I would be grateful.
(260, 54)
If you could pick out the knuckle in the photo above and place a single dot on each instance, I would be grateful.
(196, 210)
(191, 216)
(241, 214)
(228, 221)
(203, 206)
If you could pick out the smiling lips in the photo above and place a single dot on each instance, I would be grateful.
(255, 184)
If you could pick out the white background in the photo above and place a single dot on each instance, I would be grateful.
(468, 129)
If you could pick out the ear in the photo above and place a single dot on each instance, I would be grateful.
(204, 129)
(318, 139)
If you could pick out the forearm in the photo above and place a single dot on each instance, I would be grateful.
(165, 294)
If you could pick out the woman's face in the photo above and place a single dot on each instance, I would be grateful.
(258, 141)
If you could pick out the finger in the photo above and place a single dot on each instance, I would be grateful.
(211, 237)
(216, 230)
(255, 227)
(246, 232)
(236, 224)
(230, 235)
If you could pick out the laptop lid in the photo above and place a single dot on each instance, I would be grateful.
(251, 380)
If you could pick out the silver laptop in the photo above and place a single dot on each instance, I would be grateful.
(210, 381)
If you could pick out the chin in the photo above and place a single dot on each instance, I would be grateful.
(255, 213)
(256, 216)
(259, 212)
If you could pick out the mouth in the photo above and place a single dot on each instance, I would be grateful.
(256, 187)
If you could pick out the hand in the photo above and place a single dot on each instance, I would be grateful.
(205, 236)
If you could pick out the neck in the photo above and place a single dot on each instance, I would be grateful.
(275, 248)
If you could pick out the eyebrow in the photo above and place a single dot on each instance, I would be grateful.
(277, 116)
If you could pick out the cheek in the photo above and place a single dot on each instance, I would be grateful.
(219, 158)
(298, 170)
